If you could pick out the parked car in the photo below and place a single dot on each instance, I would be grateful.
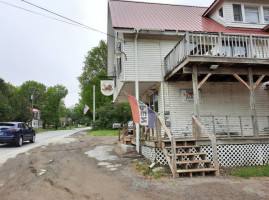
(16, 133)
(130, 127)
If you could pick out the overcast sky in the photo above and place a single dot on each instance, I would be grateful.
(33, 47)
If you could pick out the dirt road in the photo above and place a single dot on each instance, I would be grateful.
(89, 168)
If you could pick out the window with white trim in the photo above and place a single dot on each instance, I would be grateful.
(266, 15)
(252, 14)
(221, 12)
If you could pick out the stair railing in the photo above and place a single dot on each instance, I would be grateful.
(172, 163)
(212, 137)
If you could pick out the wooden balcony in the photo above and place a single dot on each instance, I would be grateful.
(224, 50)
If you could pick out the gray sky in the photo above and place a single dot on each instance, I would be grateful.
(36, 48)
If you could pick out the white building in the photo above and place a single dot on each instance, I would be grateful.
(210, 63)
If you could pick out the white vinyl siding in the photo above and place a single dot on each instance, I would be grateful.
(151, 55)
(229, 15)
(230, 98)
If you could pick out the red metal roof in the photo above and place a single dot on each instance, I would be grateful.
(142, 15)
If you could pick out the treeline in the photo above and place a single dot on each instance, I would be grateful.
(107, 112)
(15, 102)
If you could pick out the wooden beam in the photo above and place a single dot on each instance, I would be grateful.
(196, 92)
(196, 100)
(242, 81)
(204, 80)
(253, 103)
(258, 81)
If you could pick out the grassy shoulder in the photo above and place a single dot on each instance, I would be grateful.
(103, 132)
(40, 130)
(248, 172)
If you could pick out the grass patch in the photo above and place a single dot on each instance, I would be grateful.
(104, 133)
(247, 172)
(146, 171)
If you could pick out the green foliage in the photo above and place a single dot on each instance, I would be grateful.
(112, 113)
(104, 133)
(15, 102)
(35, 89)
(12, 106)
(247, 172)
(51, 107)
(95, 65)
(77, 114)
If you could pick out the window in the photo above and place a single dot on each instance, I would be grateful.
(221, 12)
(237, 13)
(252, 14)
(266, 14)
(154, 101)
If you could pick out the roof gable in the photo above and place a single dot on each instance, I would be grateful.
(153, 16)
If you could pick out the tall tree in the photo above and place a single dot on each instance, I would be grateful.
(95, 65)
(51, 108)
(35, 90)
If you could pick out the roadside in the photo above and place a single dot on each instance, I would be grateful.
(91, 167)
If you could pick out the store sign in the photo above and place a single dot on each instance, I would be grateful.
(107, 87)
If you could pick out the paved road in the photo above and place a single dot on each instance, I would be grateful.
(42, 139)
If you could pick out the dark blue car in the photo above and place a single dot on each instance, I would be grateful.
(16, 133)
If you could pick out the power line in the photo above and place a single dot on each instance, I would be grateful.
(40, 14)
(76, 22)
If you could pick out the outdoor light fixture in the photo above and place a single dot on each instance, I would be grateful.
(118, 52)
(266, 86)
(213, 66)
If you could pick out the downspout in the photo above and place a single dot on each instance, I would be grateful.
(137, 90)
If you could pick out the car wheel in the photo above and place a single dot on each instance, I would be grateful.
(33, 139)
(19, 142)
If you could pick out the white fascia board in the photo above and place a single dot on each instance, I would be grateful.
(151, 32)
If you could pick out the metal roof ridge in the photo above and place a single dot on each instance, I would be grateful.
(143, 2)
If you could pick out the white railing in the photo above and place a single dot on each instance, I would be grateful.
(217, 45)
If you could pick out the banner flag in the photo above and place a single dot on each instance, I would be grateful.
(86, 108)
(142, 114)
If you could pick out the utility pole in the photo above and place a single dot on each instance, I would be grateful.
(93, 115)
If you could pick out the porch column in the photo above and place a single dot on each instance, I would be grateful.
(253, 103)
(195, 92)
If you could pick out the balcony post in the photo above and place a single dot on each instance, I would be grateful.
(196, 99)
(220, 44)
(187, 43)
(251, 46)
(253, 103)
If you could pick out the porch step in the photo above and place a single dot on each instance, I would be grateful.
(183, 147)
(201, 171)
(192, 162)
(188, 154)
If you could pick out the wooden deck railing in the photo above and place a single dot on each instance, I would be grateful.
(197, 127)
(234, 125)
(217, 45)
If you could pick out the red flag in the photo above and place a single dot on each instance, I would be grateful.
(134, 107)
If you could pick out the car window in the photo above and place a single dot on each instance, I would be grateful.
(26, 126)
(20, 126)
(6, 125)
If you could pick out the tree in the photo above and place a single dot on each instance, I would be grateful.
(51, 108)
(33, 89)
(95, 65)
(13, 107)
(112, 113)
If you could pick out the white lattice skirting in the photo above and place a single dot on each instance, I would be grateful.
(228, 155)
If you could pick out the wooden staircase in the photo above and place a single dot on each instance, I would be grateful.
(188, 158)
(184, 156)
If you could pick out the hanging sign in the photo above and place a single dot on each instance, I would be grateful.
(107, 87)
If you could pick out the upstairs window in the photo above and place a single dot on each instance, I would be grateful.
(237, 13)
(221, 12)
(252, 14)
(266, 14)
